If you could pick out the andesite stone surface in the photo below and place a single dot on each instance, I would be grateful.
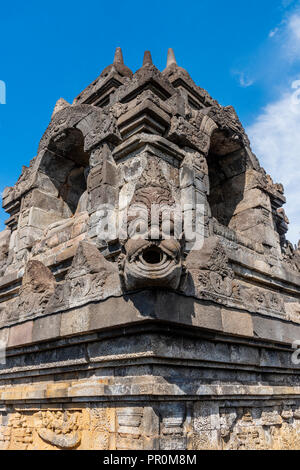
(122, 342)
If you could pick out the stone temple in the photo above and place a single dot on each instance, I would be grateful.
(163, 341)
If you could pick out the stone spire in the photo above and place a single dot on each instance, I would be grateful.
(118, 59)
(172, 66)
(117, 65)
(171, 58)
(147, 59)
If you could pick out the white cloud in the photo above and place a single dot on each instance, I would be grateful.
(291, 38)
(275, 133)
(244, 80)
(294, 27)
(273, 32)
(275, 138)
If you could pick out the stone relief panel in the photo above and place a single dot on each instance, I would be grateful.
(60, 429)
(212, 277)
(245, 428)
(275, 428)
(90, 277)
(38, 285)
(202, 425)
(210, 272)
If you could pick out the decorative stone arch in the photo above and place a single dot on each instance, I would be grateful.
(66, 164)
(227, 160)
(95, 125)
(65, 150)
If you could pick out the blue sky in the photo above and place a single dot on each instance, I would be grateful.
(245, 53)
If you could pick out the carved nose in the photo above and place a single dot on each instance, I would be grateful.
(153, 255)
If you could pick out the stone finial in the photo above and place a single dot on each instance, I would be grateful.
(171, 58)
(60, 104)
(172, 66)
(118, 59)
(117, 66)
(147, 58)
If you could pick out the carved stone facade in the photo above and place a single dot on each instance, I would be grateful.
(149, 298)
(173, 426)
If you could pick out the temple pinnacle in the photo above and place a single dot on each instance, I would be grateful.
(147, 58)
(117, 66)
(171, 58)
(118, 59)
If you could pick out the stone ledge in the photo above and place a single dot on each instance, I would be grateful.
(139, 140)
(247, 261)
(153, 344)
(101, 389)
(150, 305)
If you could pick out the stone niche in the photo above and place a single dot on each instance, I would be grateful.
(182, 337)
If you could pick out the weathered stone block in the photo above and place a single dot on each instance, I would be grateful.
(20, 334)
(76, 321)
(46, 328)
(253, 198)
(237, 323)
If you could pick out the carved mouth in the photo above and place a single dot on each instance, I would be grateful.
(153, 256)
(153, 263)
